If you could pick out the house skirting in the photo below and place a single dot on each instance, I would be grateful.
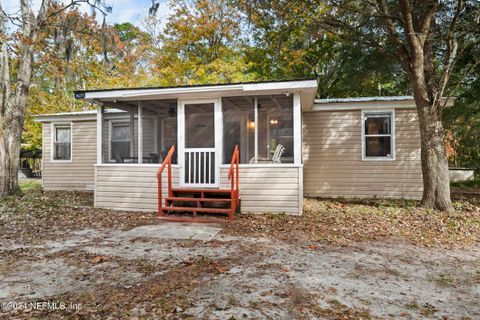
(263, 189)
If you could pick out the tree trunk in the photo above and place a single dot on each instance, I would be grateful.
(436, 184)
(13, 98)
(9, 163)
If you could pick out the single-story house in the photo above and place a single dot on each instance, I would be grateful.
(290, 146)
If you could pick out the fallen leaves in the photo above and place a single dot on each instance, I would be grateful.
(40, 215)
(100, 259)
(342, 221)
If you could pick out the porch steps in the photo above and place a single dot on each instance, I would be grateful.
(186, 199)
(187, 204)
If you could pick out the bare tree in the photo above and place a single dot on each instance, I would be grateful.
(15, 84)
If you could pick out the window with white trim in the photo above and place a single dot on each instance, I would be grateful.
(62, 142)
(378, 135)
(119, 141)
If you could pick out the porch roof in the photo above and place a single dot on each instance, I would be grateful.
(306, 88)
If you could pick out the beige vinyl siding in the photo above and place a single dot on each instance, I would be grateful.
(130, 186)
(134, 187)
(268, 189)
(333, 166)
(77, 174)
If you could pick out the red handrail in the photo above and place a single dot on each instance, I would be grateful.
(233, 176)
(167, 161)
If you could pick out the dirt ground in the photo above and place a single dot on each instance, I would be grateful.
(61, 258)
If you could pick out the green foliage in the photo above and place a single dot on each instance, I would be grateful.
(467, 184)
(294, 41)
(463, 119)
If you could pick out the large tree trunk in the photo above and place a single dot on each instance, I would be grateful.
(436, 184)
(13, 98)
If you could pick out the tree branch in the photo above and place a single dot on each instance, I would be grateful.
(402, 51)
(451, 53)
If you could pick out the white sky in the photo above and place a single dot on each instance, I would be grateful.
(122, 10)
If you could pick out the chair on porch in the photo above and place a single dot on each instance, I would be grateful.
(276, 158)
(154, 157)
(116, 156)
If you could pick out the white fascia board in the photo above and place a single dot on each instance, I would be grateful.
(65, 117)
(364, 105)
(119, 94)
(77, 116)
(376, 104)
(230, 89)
(285, 85)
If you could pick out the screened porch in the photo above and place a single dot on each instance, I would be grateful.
(204, 133)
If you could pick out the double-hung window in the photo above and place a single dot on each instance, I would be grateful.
(378, 135)
(119, 141)
(62, 142)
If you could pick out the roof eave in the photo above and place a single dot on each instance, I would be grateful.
(207, 90)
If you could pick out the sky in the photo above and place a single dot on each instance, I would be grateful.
(132, 11)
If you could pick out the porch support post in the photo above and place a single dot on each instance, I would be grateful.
(100, 111)
(256, 129)
(297, 129)
(132, 133)
(140, 132)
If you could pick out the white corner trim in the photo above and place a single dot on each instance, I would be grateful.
(297, 129)
(140, 132)
(393, 134)
(52, 140)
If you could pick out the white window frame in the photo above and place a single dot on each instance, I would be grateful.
(366, 112)
(110, 128)
(53, 137)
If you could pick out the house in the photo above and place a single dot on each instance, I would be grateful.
(290, 146)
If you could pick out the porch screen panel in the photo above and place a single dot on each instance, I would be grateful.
(199, 126)
(238, 128)
(169, 137)
(275, 129)
(120, 141)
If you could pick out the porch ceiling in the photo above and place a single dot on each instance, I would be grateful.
(126, 98)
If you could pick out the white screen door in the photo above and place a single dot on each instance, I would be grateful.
(199, 142)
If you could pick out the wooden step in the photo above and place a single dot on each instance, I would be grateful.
(191, 219)
(192, 190)
(196, 209)
(189, 199)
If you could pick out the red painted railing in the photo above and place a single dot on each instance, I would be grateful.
(233, 176)
(167, 161)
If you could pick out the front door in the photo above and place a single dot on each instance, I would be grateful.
(199, 133)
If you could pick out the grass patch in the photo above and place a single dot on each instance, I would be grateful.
(30, 185)
(470, 184)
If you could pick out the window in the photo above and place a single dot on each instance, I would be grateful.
(62, 142)
(120, 141)
(378, 135)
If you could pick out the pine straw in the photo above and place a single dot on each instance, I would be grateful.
(342, 221)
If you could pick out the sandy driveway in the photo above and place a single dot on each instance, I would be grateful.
(110, 273)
